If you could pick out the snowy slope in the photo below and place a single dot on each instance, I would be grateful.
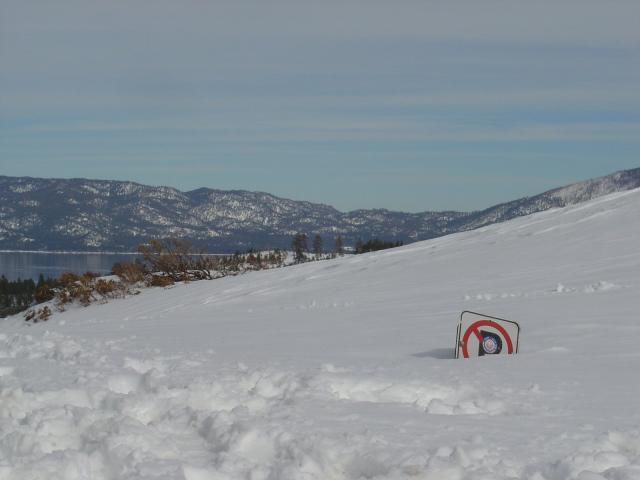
(342, 369)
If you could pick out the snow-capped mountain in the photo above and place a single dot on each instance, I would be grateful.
(80, 214)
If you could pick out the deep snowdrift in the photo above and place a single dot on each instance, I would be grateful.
(342, 369)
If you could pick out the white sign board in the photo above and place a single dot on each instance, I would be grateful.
(479, 335)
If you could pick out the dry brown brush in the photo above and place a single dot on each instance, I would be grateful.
(178, 260)
(162, 263)
(71, 288)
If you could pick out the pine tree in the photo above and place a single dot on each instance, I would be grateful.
(339, 248)
(300, 247)
(317, 246)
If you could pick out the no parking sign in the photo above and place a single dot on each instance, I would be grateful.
(480, 335)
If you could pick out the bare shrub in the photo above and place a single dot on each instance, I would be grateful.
(68, 278)
(82, 289)
(74, 287)
(129, 272)
(83, 294)
(44, 294)
(107, 288)
(43, 314)
(88, 277)
(159, 281)
(177, 259)
(62, 298)
(38, 315)
(202, 265)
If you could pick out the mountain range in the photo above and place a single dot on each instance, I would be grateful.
(107, 215)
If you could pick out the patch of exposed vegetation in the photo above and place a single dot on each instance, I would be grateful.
(162, 264)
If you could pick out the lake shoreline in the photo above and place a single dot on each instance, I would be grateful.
(23, 265)
(77, 252)
(71, 252)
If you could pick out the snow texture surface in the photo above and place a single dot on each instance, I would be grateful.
(343, 369)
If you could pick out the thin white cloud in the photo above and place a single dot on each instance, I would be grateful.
(545, 21)
(330, 129)
(565, 97)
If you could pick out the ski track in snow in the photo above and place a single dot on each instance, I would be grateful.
(343, 369)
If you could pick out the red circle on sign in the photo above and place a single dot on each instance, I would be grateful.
(473, 328)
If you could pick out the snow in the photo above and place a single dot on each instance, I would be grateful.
(343, 369)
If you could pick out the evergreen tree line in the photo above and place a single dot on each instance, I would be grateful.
(375, 244)
(17, 295)
(300, 246)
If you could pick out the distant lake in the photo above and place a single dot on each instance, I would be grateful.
(24, 265)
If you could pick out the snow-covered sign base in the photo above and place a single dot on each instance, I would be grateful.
(480, 335)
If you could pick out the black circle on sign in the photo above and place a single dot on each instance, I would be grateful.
(491, 344)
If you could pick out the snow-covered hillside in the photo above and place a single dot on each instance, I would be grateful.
(106, 215)
(342, 369)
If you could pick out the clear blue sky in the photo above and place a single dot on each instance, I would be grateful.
(408, 105)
